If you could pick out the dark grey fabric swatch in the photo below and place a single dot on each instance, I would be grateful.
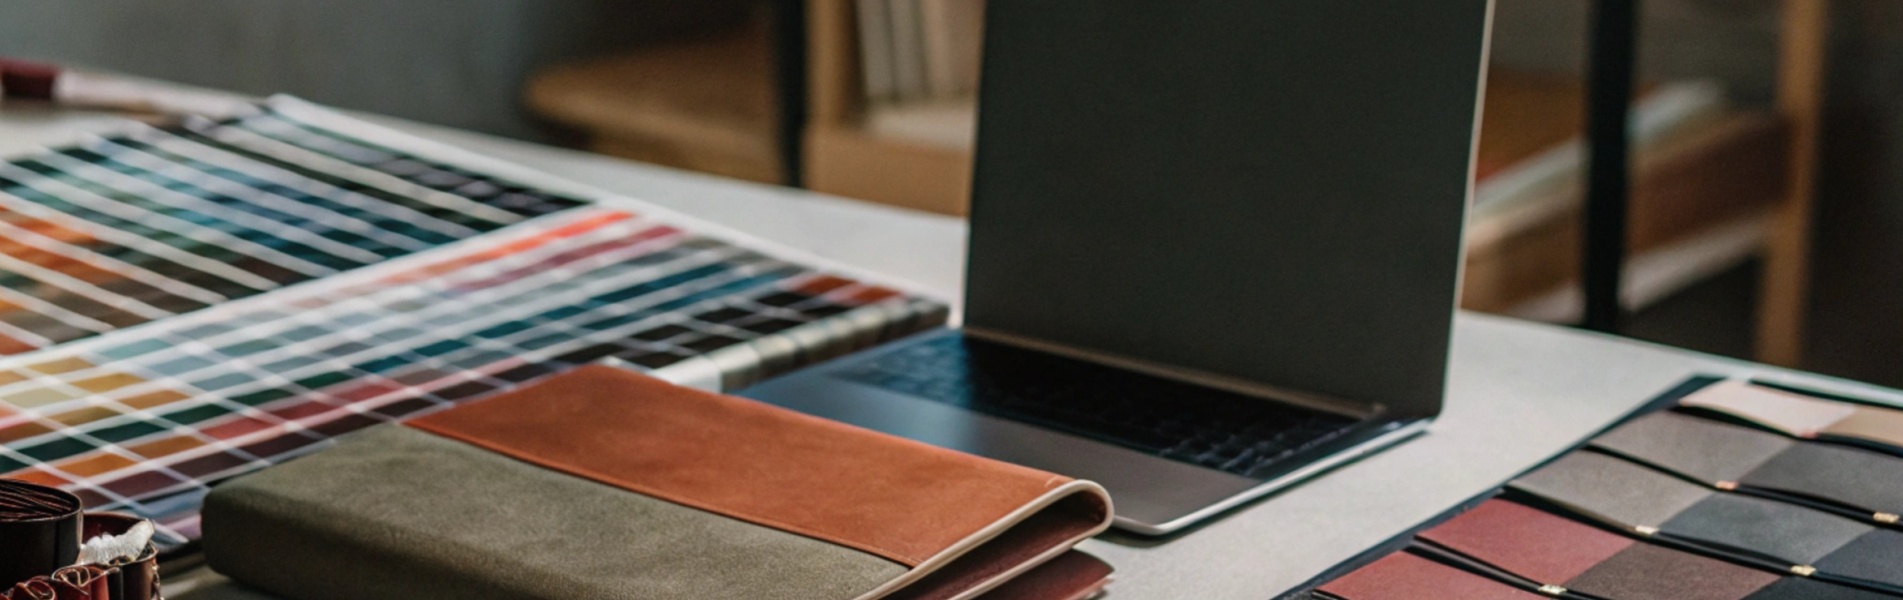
(1612, 488)
(1647, 572)
(1796, 534)
(1875, 556)
(393, 512)
(1858, 477)
(1798, 588)
(1703, 449)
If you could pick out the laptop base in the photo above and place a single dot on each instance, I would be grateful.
(1171, 453)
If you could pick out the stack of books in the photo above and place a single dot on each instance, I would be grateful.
(1704, 173)
(913, 50)
(919, 62)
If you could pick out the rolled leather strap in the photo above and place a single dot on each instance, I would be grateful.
(96, 581)
(39, 530)
(47, 588)
(135, 580)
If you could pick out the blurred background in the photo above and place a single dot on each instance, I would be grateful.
(873, 99)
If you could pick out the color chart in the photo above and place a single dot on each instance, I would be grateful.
(189, 304)
(118, 231)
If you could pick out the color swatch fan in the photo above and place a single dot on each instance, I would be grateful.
(182, 305)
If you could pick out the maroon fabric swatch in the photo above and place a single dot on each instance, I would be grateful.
(1404, 576)
(1528, 542)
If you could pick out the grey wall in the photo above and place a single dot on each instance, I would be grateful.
(453, 62)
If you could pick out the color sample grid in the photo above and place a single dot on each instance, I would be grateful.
(154, 222)
(142, 420)
(185, 304)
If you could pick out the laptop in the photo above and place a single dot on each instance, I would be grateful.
(1214, 248)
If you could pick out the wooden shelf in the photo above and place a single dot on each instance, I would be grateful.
(855, 163)
(708, 105)
(1706, 179)
(704, 104)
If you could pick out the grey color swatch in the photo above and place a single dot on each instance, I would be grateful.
(392, 512)
(1646, 572)
(1701, 448)
(1858, 477)
(1875, 556)
(1611, 488)
(1793, 533)
(1798, 588)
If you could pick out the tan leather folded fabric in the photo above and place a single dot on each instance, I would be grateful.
(1800, 416)
(601, 483)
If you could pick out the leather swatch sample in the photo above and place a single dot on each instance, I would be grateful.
(1634, 498)
(39, 530)
(1613, 490)
(602, 483)
(1072, 576)
(1724, 456)
(1860, 478)
(893, 497)
(1403, 576)
(1548, 549)
(1798, 588)
(1532, 543)
(1794, 533)
(1801, 416)
(1647, 572)
(1875, 556)
(1701, 449)
(475, 524)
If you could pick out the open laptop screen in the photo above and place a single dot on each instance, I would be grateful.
(1271, 190)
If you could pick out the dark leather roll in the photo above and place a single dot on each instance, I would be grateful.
(47, 588)
(137, 580)
(39, 530)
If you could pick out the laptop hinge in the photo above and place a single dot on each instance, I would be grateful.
(1322, 402)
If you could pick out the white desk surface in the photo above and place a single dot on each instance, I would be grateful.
(1518, 394)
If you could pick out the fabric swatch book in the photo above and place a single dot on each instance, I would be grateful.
(185, 303)
(603, 483)
(1712, 491)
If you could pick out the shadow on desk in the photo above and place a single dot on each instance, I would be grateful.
(202, 584)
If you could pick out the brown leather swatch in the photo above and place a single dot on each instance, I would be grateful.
(994, 558)
(1071, 576)
(1646, 572)
(1528, 542)
(1799, 415)
(1874, 424)
(1404, 576)
(889, 496)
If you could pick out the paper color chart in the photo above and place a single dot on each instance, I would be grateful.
(122, 230)
(177, 356)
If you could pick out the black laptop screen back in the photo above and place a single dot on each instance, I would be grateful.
(1271, 190)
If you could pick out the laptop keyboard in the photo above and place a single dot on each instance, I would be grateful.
(1221, 430)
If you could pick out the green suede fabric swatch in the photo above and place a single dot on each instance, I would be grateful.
(393, 512)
